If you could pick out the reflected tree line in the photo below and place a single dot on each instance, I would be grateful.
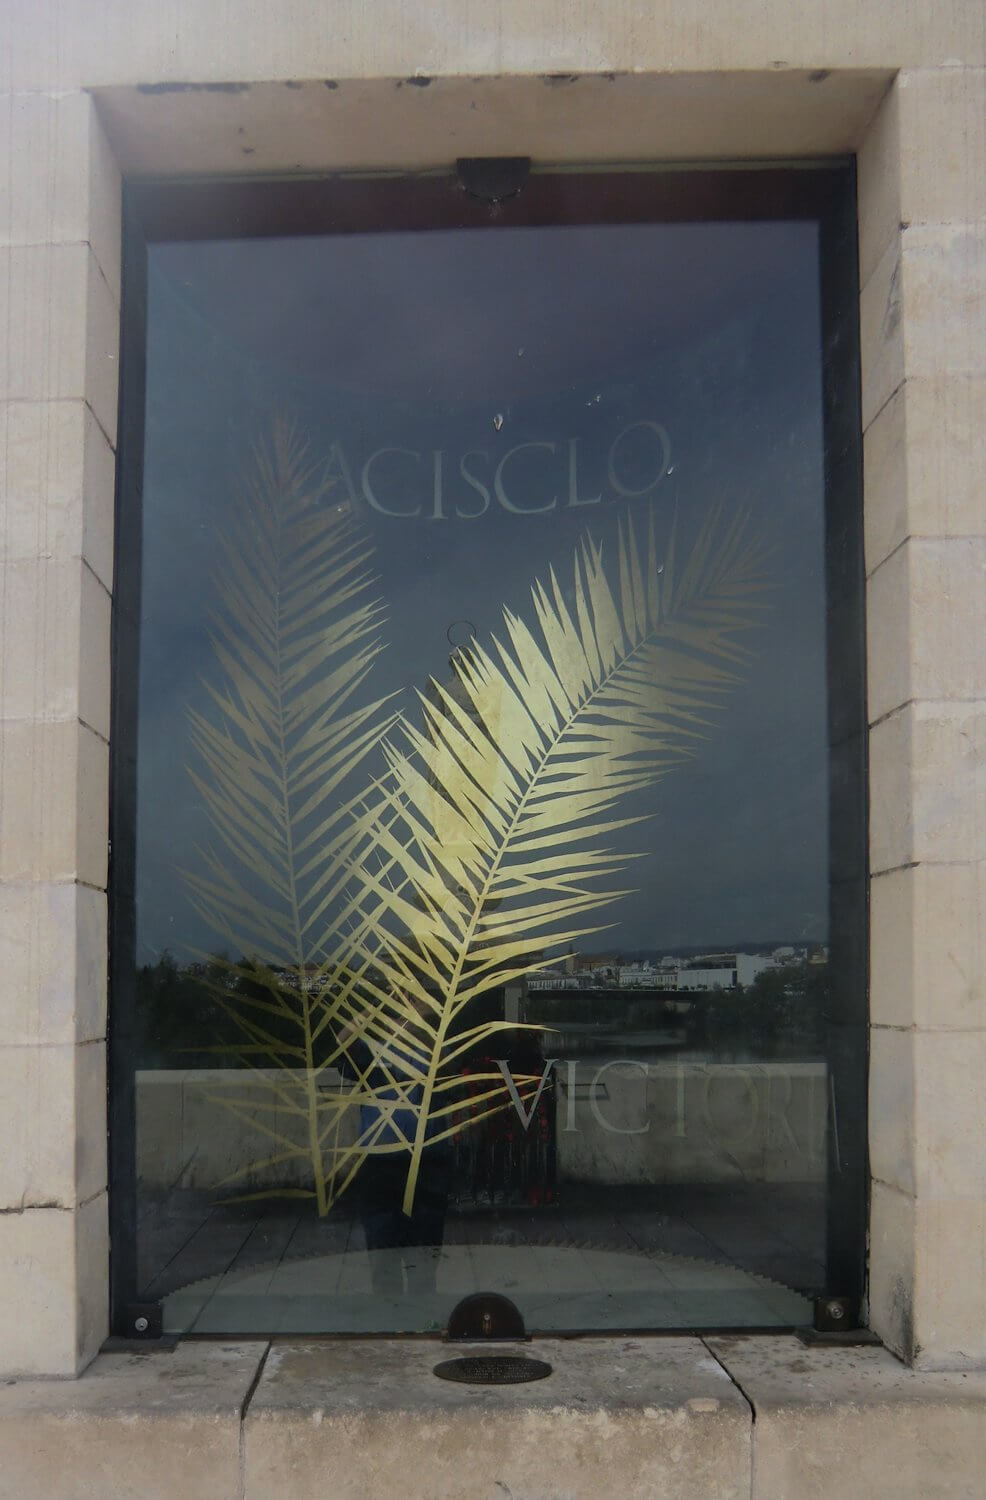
(181, 1022)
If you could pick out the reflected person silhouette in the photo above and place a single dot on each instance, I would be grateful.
(387, 1071)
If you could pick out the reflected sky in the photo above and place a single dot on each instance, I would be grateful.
(481, 398)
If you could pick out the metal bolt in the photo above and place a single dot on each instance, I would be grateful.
(141, 1325)
(835, 1310)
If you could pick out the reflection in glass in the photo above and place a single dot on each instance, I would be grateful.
(482, 812)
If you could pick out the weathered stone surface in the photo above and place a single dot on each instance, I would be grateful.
(55, 643)
(854, 1424)
(928, 947)
(632, 1417)
(948, 1311)
(54, 44)
(63, 186)
(61, 322)
(54, 802)
(892, 1263)
(892, 1107)
(923, 461)
(53, 1124)
(56, 500)
(926, 620)
(134, 1426)
(53, 957)
(378, 122)
(928, 785)
(53, 1290)
(921, 162)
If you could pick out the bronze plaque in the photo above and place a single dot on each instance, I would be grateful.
(493, 1369)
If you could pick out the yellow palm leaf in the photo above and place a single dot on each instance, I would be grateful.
(492, 834)
(295, 636)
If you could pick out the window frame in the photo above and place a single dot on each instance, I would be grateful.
(256, 207)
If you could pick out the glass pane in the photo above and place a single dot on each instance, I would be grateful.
(482, 826)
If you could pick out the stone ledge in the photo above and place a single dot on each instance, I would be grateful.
(134, 1427)
(837, 1424)
(677, 1417)
(654, 1417)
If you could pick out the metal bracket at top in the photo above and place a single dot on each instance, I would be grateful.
(493, 179)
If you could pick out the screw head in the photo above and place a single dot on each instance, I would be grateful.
(140, 1325)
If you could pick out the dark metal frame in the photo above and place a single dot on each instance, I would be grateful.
(256, 207)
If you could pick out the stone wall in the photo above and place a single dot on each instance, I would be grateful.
(904, 84)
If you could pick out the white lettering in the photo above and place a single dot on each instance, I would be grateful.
(437, 514)
(525, 1116)
(573, 478)
(477, 485)
(501, 494)
(665, 442)
(368, 492)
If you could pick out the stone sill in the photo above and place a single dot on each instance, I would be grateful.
(680, 1418)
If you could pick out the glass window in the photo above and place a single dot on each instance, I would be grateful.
(488, 800)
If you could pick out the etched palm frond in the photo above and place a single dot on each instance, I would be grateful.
(294, 637)
(493, 839)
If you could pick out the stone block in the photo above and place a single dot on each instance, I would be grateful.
(53, 1294)
(838, 1423)
(58, 485)
(878, 183)
(54, 802)
(94, 654)
(102, 378)
(63, 185)
(134, 1426)
(62, 329)
(942, 145)
(927, 947)
(66, 45)
(39, 639)
(38, 803)
(53, 958)
(53, 1125)
(633, 1417)
(105, 207)
(886, 470)
(881, 340)
(55, 643)
(99, 501)
(922, 311)
(923, 461)
(928, 785)
(889, 635)
(927, 1288)
(376, 123)
(949, 1307)
(892, 1108)
(944, 300)
(43, 309)
(921, 161)
(925, 623)
(892, 1260)
(93, 803)
(950, 1108)
(946, 455)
